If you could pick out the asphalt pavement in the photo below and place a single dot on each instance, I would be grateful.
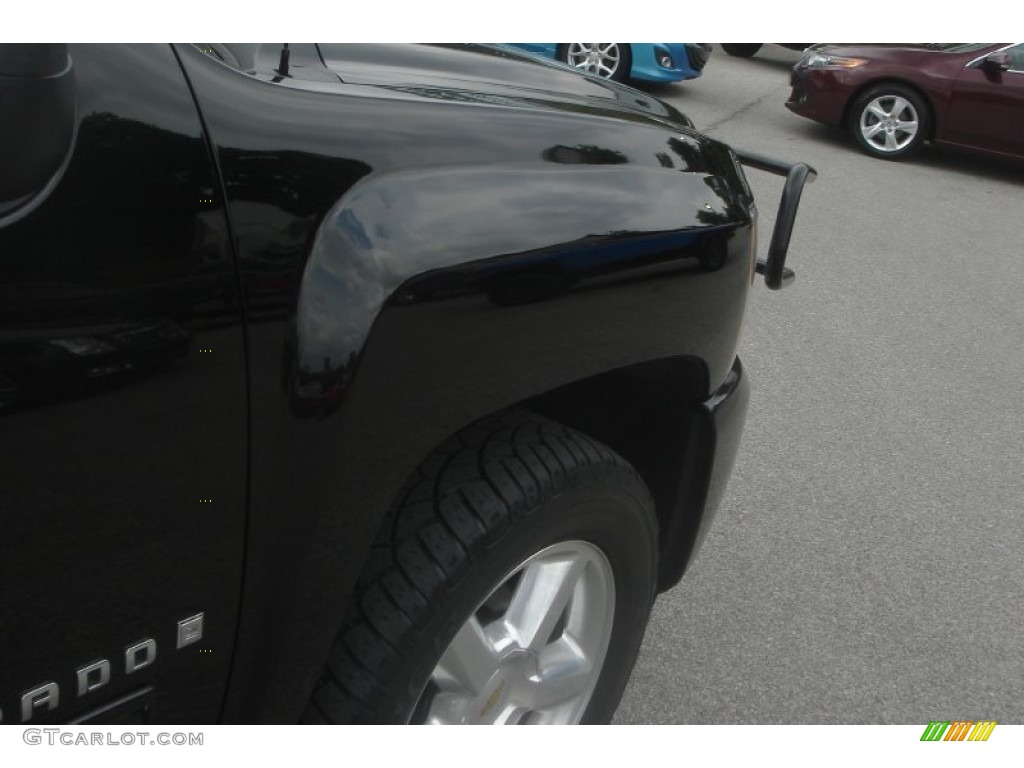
(866, 563)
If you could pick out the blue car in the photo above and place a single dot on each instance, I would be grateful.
(650, 62)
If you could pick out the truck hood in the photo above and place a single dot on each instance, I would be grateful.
(489, 74)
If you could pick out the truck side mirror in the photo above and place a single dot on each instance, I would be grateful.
(37, 101)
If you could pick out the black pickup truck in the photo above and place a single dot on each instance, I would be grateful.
(354, 383)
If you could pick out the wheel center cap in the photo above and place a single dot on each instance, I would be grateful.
(514, 669)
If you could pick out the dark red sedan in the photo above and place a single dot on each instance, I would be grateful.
(894, 98)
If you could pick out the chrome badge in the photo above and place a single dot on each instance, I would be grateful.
(95, 675)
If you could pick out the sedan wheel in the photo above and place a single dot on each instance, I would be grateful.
(889, 122)
(608, 60)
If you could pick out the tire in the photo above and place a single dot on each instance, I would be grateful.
(460, 609)
(742, 50)
(890, 121)
(612, 61)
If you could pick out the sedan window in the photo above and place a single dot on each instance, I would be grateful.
(1017, 57)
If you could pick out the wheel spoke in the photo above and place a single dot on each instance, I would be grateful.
(876, 109)
(871, 131)
(898, 105)
(469, 662)
(565, 674)
(540, 598)
(890, 141)
(908, 126)
(510, 716)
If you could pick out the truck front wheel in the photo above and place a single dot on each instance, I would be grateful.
(511, 584)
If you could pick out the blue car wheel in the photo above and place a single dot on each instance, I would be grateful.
(609, 60)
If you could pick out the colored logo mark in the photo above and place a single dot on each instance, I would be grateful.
(958, 730)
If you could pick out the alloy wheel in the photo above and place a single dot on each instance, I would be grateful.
(602, 59)
(889, 123)
(534, 649)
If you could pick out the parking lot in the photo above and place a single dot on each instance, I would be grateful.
(865, 565)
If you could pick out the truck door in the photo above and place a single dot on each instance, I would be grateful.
(123, 426)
